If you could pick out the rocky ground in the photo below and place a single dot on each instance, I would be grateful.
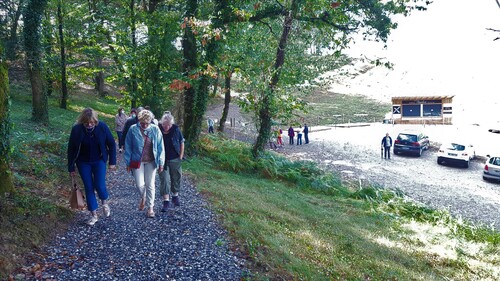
(354, 153)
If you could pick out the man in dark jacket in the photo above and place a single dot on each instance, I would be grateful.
(306, 133)
(130, 121)
(386, 145)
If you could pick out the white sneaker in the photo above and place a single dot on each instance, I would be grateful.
(92, 220)
(106, 210)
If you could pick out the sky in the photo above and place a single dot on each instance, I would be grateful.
(446, 50)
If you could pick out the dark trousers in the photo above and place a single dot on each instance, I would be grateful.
(299, 139)
(306, 138)
(387, 152)
(291, 139)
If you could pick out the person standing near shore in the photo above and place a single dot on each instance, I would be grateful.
(386, 145)
(144, 143)
(299, 136)
(306, 133)
(291, 134)
(171, 177)
(90, 146)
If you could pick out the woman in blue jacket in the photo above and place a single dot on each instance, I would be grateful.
(144, 143)
(90, 146)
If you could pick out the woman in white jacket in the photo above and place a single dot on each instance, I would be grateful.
(144, 142)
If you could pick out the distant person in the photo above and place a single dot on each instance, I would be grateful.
(90, 146)
(132, 119)
(120, 120)
(306, 133)
(386, 145)
(144, 143)
(299, 136)
(210, 123)
(279, 134)
(291, 134)
(171, 177)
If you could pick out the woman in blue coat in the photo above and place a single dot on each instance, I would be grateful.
(90, 146)
(144, 143)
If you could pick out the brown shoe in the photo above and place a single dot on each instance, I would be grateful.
(141, 204)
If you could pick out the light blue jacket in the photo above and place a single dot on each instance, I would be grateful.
(134, 143)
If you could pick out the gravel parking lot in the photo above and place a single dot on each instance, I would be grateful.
(355, 154)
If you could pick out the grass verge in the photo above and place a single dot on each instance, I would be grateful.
(295, 222)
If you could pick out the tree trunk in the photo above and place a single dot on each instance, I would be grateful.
(99, 79)
(11, 48)
(32, 21)
(133, 87)
(6, 183)
(266, 111)
(64, 83)
(190, 64)
(227, 100)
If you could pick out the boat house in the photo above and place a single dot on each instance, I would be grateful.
(422, 110)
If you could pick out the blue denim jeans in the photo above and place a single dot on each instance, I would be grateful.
(93, 175)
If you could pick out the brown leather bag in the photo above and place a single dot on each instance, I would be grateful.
(76, 200)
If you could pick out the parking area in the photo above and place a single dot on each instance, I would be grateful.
(355, 154)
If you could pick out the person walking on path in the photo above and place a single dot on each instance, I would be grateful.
(291, 134)
(299, 136)
(120, 120)
(306, 133)
(171, 176)
(90, 146)
(132, 120)
(210, 123)
(386, 145)
(144, 143)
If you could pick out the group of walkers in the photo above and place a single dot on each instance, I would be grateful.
(300, 131)
(149, 146)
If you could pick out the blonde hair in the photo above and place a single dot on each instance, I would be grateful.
(167, 116)
(87, 115)
(145, 116)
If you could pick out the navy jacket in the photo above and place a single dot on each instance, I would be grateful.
(104, 137)
(384, 144)
(177, 138)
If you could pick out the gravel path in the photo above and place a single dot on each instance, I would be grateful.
(185, 243)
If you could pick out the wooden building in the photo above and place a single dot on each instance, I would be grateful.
(422, 110)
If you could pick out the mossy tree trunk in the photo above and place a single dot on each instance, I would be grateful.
(188, 67)
(6, 183)
(32, 22)
(64, 82)
(267, 107)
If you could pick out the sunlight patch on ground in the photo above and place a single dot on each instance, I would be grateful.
(435, 241)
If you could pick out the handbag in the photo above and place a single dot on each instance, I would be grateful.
(76, 198)
(136, 164)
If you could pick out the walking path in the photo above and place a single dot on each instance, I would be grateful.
(185, 243)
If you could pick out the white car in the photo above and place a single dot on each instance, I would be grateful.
(492, 168)
(456, 152)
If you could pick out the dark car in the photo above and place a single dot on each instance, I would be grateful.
(411, 143)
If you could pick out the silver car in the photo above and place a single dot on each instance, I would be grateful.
(492, 168)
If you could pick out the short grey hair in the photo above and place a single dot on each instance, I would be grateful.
(167, 117)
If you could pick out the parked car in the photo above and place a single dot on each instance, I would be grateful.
(492, 168)
(456, 153)
(411, 143)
